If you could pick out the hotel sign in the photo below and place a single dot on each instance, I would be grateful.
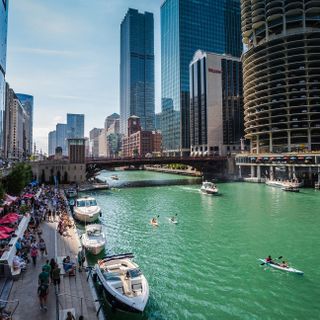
(212, 70)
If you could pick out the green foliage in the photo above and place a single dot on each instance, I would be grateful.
(19, 177)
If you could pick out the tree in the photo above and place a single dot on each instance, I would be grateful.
(18, 178)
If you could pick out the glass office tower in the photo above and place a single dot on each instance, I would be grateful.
(3, 55)
(186, 26)
(27, 103)
(137, 69)
(75, 125)
(61, 137)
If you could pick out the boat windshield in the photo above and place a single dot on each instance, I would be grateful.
(86, 203)
(133, 273)
(111, 276)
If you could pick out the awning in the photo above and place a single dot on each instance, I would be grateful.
(259, 159)
(279, 158)
(253, 158)
(309, 158)
(266, 158)
(285, 158)
(293, 158)
(272, 158)
(300, 158)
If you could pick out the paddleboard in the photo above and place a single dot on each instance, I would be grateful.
(287, 269)
(174, 222)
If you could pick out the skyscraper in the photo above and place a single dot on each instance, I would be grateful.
(75, 125)
(137, 69)
(281, 75)
(110, 120)
(52, 141)
(27, 103)
(61, 137)
(186, 26)
(216, 104)
(3, 55)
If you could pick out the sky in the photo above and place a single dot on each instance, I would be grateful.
(67, 55)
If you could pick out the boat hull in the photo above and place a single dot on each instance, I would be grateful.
(95, 250)
(84, 217)
(288, 269)
(210, 192)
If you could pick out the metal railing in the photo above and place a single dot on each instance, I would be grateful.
(8, 308)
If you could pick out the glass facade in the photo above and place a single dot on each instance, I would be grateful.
(75, 125)
(52, 138)
(137, 69)
(61, 137)
(3, 55)
(186, 26)
(27, 103)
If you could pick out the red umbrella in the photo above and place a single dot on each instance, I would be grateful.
(8, 220)
(28, 195)
(12, 214)
(6, 229)
(3, 236)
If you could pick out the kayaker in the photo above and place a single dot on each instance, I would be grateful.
(284, 264)
(154, 220)
(173, 219)
(269, 259)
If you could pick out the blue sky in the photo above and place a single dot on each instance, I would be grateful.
(66, 54)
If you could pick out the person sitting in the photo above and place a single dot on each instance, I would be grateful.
(154, 220)
(18, 262)
(269, 259)
(173, 219)
(68, 266)
(284, 264)
(70, 316)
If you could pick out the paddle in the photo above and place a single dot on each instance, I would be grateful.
(274, 258)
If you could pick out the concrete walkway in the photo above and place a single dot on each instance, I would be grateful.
(25, 289)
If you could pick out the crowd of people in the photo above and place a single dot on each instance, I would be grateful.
(44, 203)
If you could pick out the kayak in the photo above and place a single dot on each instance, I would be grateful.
(155, 224)
(287, 269)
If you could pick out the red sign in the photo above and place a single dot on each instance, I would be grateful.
(214, 70)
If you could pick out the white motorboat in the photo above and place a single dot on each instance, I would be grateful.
(125, 285)
(284, 184)
(86, 209)
(209, 188)
(93, 239)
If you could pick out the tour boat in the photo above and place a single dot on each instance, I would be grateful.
(283, 184)
(93, 239)
(125, 286)
(209, 188)
(86, 209)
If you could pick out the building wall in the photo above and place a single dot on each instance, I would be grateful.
(52, 142)
(27, 102)
(61, 137)
(94, 141)
(137, 69)
(44, 171)
(216, 104)
(187, 26)
(3, 55)
(75, 125)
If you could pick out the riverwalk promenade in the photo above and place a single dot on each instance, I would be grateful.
(75, 294)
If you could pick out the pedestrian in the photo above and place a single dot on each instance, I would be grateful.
(43, 248)
(56, 276)
(70, 316)
(52, 265)
(43, 289)
(81, 259)
(34, 252)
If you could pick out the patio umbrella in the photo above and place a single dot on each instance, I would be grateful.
(4, 235)
(5, 229)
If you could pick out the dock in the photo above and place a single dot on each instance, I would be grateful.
(75, 294)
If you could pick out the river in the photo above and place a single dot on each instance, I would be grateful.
(206, 267)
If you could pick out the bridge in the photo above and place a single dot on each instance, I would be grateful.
(214, 164)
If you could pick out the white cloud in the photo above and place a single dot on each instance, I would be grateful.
(43, 51)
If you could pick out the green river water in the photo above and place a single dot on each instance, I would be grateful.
(206, 266)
